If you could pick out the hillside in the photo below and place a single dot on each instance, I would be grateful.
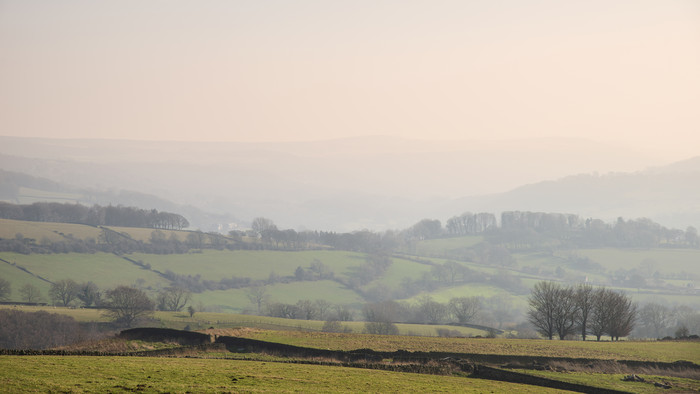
(429, 270)
(21, 188)
(664, 194)
(370, 182)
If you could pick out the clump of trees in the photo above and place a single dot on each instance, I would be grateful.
(38, 330)
(563, 311)
(126, 304)
(661, 321)
(94, 216)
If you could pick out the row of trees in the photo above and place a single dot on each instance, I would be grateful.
(659, 321)
(565, 310)
(518, 230)
(94, 216)
(123, 303)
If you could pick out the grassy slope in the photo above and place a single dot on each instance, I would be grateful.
(215, 265)
(108, 270)
(105, 269)
(39, 230)
(109, 374)
(662, 351)
(19, 278)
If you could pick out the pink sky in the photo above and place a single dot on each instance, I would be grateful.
(622, 71)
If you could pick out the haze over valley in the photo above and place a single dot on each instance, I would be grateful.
(376, 183)
(305, 190)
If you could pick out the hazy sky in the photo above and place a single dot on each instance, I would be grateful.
(608, 70)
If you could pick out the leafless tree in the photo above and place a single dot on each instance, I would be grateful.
(89, 294)
(584, 301)
(257, 296)
(5, 289)
(30, 293)
(63, 291)
(623, 316)
(655, 316)
(613, 314)
(565, 311)
(432, 311)
(600, 316)
(126, 304)
(173, 298)
(543, 300)
(464, 308)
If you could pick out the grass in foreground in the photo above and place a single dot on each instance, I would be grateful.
(117, 374)
(614, 381)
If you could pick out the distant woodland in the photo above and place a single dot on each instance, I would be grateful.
(517, 231)
(93, 216)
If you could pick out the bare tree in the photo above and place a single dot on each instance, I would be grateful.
(600, 316)
(655, 316)
(173, 298)
(343, 313)
(30, 293)
(322, 308)
(432, 311)
(543, 300)
(565, 311)
(623, 316)
(584, 301)
(257, 296)
(464, 308)
(89, 294)
(262, 225)
(64, 291)
(126, 304)
(5, 289)
(307, 308)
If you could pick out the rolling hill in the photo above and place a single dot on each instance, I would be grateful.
(221, 280)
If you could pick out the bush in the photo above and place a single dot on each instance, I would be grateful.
(37, 330)
(381, 328)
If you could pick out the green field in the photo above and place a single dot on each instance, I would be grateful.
(663, 260)
(680, 267)
(120, 374)
(214, 264)
(105, 269)
(445, 247)
(40, 230)
(661, 351)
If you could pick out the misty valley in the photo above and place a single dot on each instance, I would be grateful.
(523, 299)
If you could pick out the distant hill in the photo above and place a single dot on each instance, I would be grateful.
(666, 194)
(374, 182)
(21, 188)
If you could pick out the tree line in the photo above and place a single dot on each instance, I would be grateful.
(563, 311)
(124, 304)
(94, 216)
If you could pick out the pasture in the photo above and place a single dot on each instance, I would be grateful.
(179, 375)
(51, 231)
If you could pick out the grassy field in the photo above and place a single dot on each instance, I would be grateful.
(104, 269)
(28, 195)
(214, 264)
(663, 260)
(108, 270)
(204, 320)
(40, 230)
(444, 247)
(120, 374)
(613, 381)
(661, 351)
